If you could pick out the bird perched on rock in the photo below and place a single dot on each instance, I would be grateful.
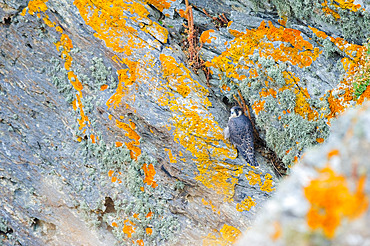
(240, 132)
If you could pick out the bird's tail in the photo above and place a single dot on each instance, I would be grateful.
(249, 157)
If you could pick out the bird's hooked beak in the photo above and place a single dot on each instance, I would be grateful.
(232, 114)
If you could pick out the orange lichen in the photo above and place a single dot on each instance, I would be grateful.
(64, 46)
(114, 179)
(320, 140)
(35, 6)
(125, 81)
(318, 33)
(110, 173)
(298, 51)
(246, 204)
(267, 185)
(211, 204)
(113, 25)
(253, 178)
(204, 38)
(332, 200)
(329, 11)
(119, 144)
(103, 87)
(128, 228)
(114, 224)
(267, 92)
(347, 4)
(160, 4)
(149, 172)
(195, 128)
(227, 236)
(332, 153)
(277, 233)
(150, 214)
(258, 106)
(48, 22)
(302, 106)
(181, 13)
(149, 231)
(140, 242)
(170, 156)
(135, 151)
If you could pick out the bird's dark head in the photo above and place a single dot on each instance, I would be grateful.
(236, 112)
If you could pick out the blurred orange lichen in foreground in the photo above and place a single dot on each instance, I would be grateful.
(331, 201)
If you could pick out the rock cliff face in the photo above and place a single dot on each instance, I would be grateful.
(112, 112)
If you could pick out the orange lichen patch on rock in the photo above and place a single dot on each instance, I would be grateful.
(149, 172)
(246, 204)
(48, 22)
(253, 178)
(329, 11)
(319, 140)
(332, 153)
(205, 38)
(177, 75)
(92, 137)
(59, 29)
(209, 203)
(128, 228)
(294, 49)
(149, 231)
(181, 13)
(160, 4)
(258, 106)
(119, 144)
(77, 85)
(302, 106)
(170, 156)
(135, 151)
(64, 46)
(110, 173)
(266, 92)
(347, 4)
(318, 33)
(35, 6)
(103, 87)
(140, 242)
(267, 185)
(125, 81)
(150, 214)
(114, 224)
(112, 22)
(157, 31)
(114, 179)
(82, 121)
(227, 236)
(332, 200)
(277, 231)
(195, 128)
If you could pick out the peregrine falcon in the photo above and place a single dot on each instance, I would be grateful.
(240, 132)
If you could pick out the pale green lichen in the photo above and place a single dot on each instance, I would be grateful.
(285, 133)
(353, 24)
